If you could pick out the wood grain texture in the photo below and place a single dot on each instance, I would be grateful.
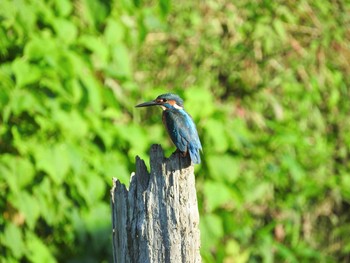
(157, 219)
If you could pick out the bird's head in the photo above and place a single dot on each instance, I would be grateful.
(166, 101)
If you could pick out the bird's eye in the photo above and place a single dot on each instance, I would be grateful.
(164, 100)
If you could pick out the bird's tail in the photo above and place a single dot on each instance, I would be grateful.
(194, 154)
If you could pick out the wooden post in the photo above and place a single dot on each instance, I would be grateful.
(157, 219)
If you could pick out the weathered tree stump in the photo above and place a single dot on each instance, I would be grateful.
(157, 219)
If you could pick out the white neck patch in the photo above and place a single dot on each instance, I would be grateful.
(177, 107)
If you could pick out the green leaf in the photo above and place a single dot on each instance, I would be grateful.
(293, 167)
(279, 28)
(235, 252)
(260, 192)
(217, 194)
(38, 251)
(199, 102)
(211, 225)
(64, 7)
(92, 188)
(12, 238)
(164, 6)
(93, 89)
(93, 220)
(114, 166)
(345, 185)
(114, 32)
(23, 101)
(224, 168)
(66, 30)
(25, 73)
(25, 172)
(54, 161)
(286, 252)
(71, 123)
(8, 259)
(16, 171)
(121, 61)
(47, 201)
(35, 49)
(216, 135)
(98, 47)
(28, 206)
(8, 177)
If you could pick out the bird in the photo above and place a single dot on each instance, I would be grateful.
(179, 125)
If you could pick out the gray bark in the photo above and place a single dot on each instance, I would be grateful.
(157, 219)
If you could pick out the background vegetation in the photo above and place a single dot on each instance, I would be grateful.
(267, 83)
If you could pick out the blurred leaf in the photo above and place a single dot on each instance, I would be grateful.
(66, 30)
(121, 61)
(72, 123)
(64, 7)
(286, 252)
(37, 251)
(25, 73)
(23, 101)
(217, 194)
(93, 88)
(28, 206)
(54, 161)
(199, 102)
(345, 185)
(114, 166)
(94, 221)
(216, 135)
(98, 48)
(7, 176)
(234, 253)
(17, 172)
(224, 168)
(279, 28)
(114, 32)
(210, 224)
(295, 169)
(35, 49)
(164, 6)
(92, 188)
(46, 201)
(12, 238)
(262, 192)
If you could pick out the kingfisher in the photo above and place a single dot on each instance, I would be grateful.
(178, 124)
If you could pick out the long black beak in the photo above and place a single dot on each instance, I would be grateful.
(147, 104)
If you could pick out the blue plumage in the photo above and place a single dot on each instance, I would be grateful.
(179, 125)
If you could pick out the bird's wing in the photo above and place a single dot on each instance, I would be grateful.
(181, 129)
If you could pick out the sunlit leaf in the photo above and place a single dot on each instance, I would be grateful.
(121, 60)
(216, 135)
(28, 206)
(37, 250)
(25, 73)
(64, 7)
(54, 161)
(224, 168)
(13, 239)
(211, 225)
(114, 32)
(217, 194)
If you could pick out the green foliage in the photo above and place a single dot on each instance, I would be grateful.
(67, 94)
(266, 82)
